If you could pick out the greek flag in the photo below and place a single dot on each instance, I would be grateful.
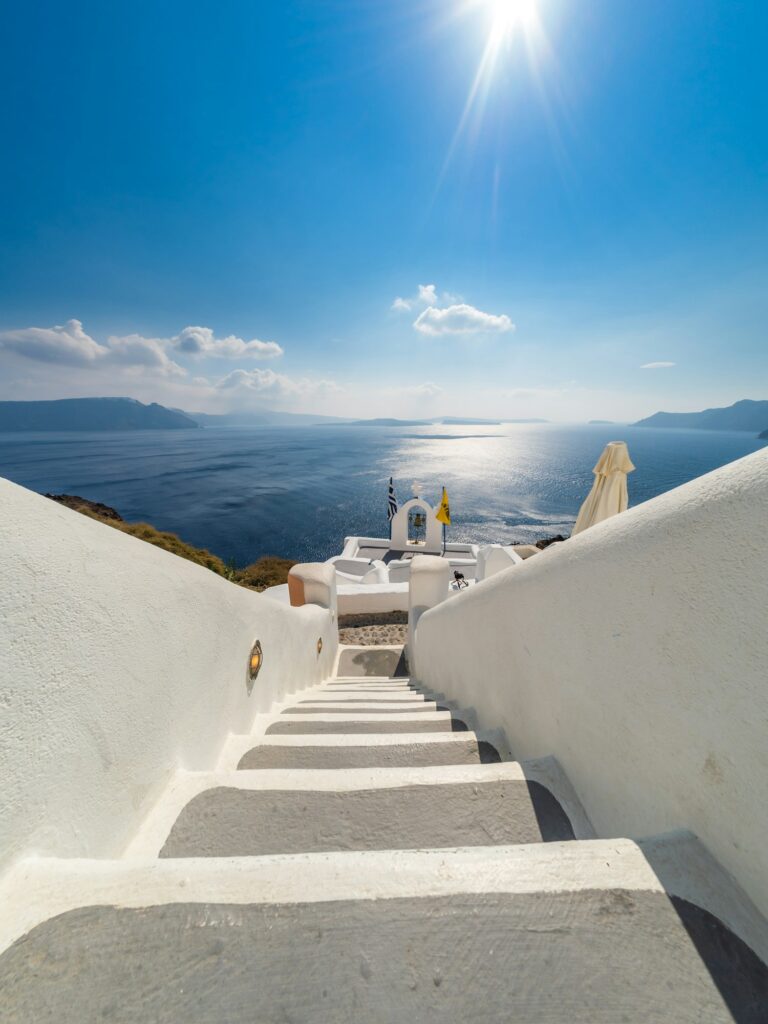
(391, 502)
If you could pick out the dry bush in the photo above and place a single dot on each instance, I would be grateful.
(269, 571)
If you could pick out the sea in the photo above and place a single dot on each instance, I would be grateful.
(298, 491)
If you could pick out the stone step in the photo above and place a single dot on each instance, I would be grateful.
(360, 684)
(395, 781)
(363, 697)
(341, 679)
(375, 751)
(361, 707)
(363, 685)
(360, 723)
(404, 691)
(556, 933)
(397, 808)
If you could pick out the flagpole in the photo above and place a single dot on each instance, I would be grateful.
(391, 507)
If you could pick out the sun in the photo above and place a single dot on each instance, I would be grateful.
(508, 16)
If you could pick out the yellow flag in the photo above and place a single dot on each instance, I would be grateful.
(444, 512)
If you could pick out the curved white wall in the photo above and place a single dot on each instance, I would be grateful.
(119, 663)
(637, 654)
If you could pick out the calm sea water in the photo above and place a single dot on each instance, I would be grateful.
(298, 491)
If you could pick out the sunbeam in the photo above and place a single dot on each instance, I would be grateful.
(510, 22)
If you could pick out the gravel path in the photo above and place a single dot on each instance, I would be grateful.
(370, 630)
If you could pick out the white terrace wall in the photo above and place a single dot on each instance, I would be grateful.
(637, 654)
(119, 663)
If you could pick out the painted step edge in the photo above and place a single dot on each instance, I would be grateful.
(238, 744)
(356, 697)
(406, 716)
(38, 889)
(186, 786)
(364, 708)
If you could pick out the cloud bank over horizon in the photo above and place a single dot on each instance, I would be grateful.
(188, 369)
(69, 345)
(149, 367)
(200, 341)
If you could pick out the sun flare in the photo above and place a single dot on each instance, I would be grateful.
(514, 38)
(508, 16)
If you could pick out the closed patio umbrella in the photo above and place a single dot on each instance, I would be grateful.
(609, 491)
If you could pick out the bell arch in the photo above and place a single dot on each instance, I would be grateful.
(415, 528)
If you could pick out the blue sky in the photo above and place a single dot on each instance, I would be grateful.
(216, 206)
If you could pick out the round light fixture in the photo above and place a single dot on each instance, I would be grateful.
(256, 661)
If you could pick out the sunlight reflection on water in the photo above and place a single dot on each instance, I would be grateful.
(298, 491)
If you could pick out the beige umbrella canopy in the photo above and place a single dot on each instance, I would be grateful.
(609, 491)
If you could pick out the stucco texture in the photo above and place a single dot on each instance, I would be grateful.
(637, 655)
(120, 663)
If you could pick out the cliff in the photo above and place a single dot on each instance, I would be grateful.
(91, 414)
(744, 415)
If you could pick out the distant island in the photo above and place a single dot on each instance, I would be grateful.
(99, 414)
(382, 422)
(263, 418)
(746, 415)
(129, 414)
(466, 421)
(91, 414)
(601, 423)
(437, 421)
(763, 436)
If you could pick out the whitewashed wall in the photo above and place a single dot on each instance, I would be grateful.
(637, 654)
(119, 663)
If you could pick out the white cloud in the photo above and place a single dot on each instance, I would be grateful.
(426, 295)
(268, 384)
(136, 351)
(69, 345)
(200, 341)
(657, 366)
(448, 314)
(461, 319)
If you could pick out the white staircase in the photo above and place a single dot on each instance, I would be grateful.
(364, 856)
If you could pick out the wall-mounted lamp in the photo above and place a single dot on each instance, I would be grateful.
(255, 663)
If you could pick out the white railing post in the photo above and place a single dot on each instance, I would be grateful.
(430, 583)
(313, 583)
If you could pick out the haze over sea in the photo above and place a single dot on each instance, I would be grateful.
(298, 491)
